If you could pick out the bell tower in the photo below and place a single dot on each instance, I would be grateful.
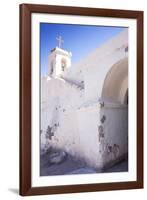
(59, 60)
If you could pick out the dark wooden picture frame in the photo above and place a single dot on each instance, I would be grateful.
(25, 99)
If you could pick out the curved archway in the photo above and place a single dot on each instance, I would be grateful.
(115, 110)
(116, 82)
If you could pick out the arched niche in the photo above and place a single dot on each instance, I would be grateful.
(63, 64)
(116, 83)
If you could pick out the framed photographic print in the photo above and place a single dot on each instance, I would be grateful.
(81, 99)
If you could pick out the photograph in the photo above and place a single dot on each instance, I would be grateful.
(83, 99)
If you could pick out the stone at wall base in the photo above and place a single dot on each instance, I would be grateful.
(57, 157)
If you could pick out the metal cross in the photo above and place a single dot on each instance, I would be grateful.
(60, 41)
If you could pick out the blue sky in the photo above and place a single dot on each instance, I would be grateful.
(79, 39)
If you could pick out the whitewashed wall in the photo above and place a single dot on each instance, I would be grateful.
(100, 62)
(115, 129)
(60, 99)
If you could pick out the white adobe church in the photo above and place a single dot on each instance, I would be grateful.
(84, 107)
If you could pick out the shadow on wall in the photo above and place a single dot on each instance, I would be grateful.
(113, 135)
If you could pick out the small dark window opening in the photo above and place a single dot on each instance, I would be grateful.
(63, 65)
(126, 98)
(52, 68)
(126, 49)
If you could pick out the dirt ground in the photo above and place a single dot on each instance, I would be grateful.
(71, 166)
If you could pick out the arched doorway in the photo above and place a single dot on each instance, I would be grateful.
(115, 111)
(116, 83)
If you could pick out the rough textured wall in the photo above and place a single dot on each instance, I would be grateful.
(115, 133)
(103, 134)
(59, 102)
(88, 122)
